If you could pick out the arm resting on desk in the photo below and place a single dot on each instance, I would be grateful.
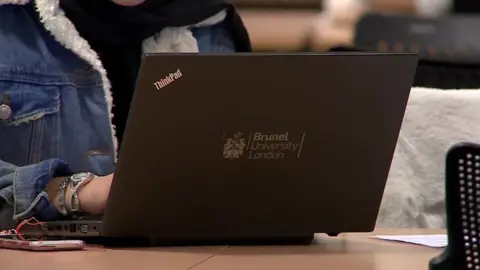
(22, 189)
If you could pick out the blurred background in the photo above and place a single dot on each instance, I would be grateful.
(445, 33)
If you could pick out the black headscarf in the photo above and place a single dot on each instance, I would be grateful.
(103, 20)
(116, 33)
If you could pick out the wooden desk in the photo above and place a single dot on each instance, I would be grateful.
(347, 252)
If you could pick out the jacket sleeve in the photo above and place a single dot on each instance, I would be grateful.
(22, 188)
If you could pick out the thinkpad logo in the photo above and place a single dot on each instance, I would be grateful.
(170, 78)
(234, 146)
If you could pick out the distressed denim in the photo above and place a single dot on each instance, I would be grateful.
(60, 121)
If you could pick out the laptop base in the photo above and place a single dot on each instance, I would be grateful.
(66, 229)
(90, 232)
(249, 241)
(150, 242)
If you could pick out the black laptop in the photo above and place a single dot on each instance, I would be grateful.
(254, 146)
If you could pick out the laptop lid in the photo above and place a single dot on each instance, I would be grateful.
(258, 144)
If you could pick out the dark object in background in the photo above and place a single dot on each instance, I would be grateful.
(447, 76)
(279, 4)
(449, 48)
(435, 74)
(462, 187)
(466, 6)
(446, 39)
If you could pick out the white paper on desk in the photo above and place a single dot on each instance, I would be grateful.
(430, 240)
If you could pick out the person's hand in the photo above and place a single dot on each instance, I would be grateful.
(93, 196)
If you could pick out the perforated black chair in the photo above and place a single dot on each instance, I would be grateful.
(462, 185)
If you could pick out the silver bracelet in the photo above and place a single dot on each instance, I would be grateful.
(71, 203)
(76, 182)
(61, 198)
(75, 203)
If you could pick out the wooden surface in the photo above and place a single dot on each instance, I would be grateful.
(279, 30)
(397, 6)
(346, 252)
(283, 30)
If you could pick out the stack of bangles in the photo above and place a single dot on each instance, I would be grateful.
(68, 192)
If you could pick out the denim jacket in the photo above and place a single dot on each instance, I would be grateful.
(55, 101)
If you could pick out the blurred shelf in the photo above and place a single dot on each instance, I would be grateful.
(395, 6)
(279, 30)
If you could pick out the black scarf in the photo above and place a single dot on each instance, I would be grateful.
(103, 20)
(116, 34)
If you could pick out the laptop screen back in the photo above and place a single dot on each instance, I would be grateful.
(236, 145)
